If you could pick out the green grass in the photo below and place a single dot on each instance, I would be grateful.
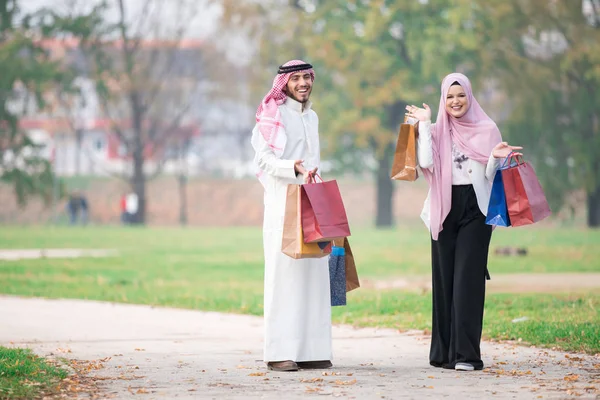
(23, 375)
(222, 270)
(565, 321)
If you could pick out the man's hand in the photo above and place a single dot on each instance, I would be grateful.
(308, 175)
(502, 150)
(299, 168)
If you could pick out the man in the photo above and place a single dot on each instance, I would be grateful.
(297, 303)
(73, 207)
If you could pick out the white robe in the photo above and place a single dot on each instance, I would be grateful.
(297, 302)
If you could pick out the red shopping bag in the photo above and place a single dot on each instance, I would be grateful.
(323, 213)
(525, 197)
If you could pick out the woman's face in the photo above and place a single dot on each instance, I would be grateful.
(457, 102)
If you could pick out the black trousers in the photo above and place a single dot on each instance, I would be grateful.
(459, 269)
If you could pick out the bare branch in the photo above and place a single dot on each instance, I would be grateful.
(159, 169)
(115, 126)
(162, 139)
(96, 164)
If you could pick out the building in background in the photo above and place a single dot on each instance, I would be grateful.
(79, 139)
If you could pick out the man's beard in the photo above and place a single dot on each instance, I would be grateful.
(297, 99)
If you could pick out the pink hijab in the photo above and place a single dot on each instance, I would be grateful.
(475, 134)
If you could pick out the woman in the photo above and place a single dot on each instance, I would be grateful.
(459, 156)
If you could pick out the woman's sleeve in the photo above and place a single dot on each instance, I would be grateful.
(491, 168)
(424, 145)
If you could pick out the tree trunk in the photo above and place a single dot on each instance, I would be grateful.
(182, 199)
(385, 186)
(182, 180)
(385, 191)
(139, 179)
(593, 208)
(593, 195)
(78, 140)
(139, 186)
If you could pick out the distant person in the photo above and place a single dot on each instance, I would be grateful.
(131, 206)
(296, 293)
(83, 208)
(459, 156)
(123, 208)
(73, 206)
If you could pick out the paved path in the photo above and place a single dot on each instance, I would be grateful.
(162, 353)
(30, 254)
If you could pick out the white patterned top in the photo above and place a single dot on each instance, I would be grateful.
(460, 166)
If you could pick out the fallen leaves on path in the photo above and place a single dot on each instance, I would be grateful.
(257, 374)
(311, 380)
(61, 350)
(514, 372)
(343, 383)
(313, 389)
(573, 358)
(571, 378)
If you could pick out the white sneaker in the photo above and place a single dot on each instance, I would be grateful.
(464, 367)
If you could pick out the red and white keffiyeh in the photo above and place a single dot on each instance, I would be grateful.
(268, 117)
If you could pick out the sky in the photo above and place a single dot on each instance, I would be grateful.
(200, 27)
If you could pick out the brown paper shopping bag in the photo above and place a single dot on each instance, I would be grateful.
(352, 281)
(404, 166)
(292, 242)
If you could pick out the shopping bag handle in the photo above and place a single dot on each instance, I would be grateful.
(406, 120)
(311, 178)
(510, 157)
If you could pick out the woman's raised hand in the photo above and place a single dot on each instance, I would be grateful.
(503, 149)
(422, 114)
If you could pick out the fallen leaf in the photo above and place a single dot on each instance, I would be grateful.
(257, 374)
(138, 349)
(571, 378)
(141, 391)
(340, 382)
(313, 389)
(311, 380)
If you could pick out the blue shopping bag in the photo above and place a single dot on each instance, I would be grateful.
(497, 213)
(337, 276)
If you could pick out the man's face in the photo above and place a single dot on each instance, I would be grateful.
(299, 86)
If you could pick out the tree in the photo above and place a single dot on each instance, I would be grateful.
(148, 78)
(28, 74)
(379, 56)
(544, 55)
(372, 58)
